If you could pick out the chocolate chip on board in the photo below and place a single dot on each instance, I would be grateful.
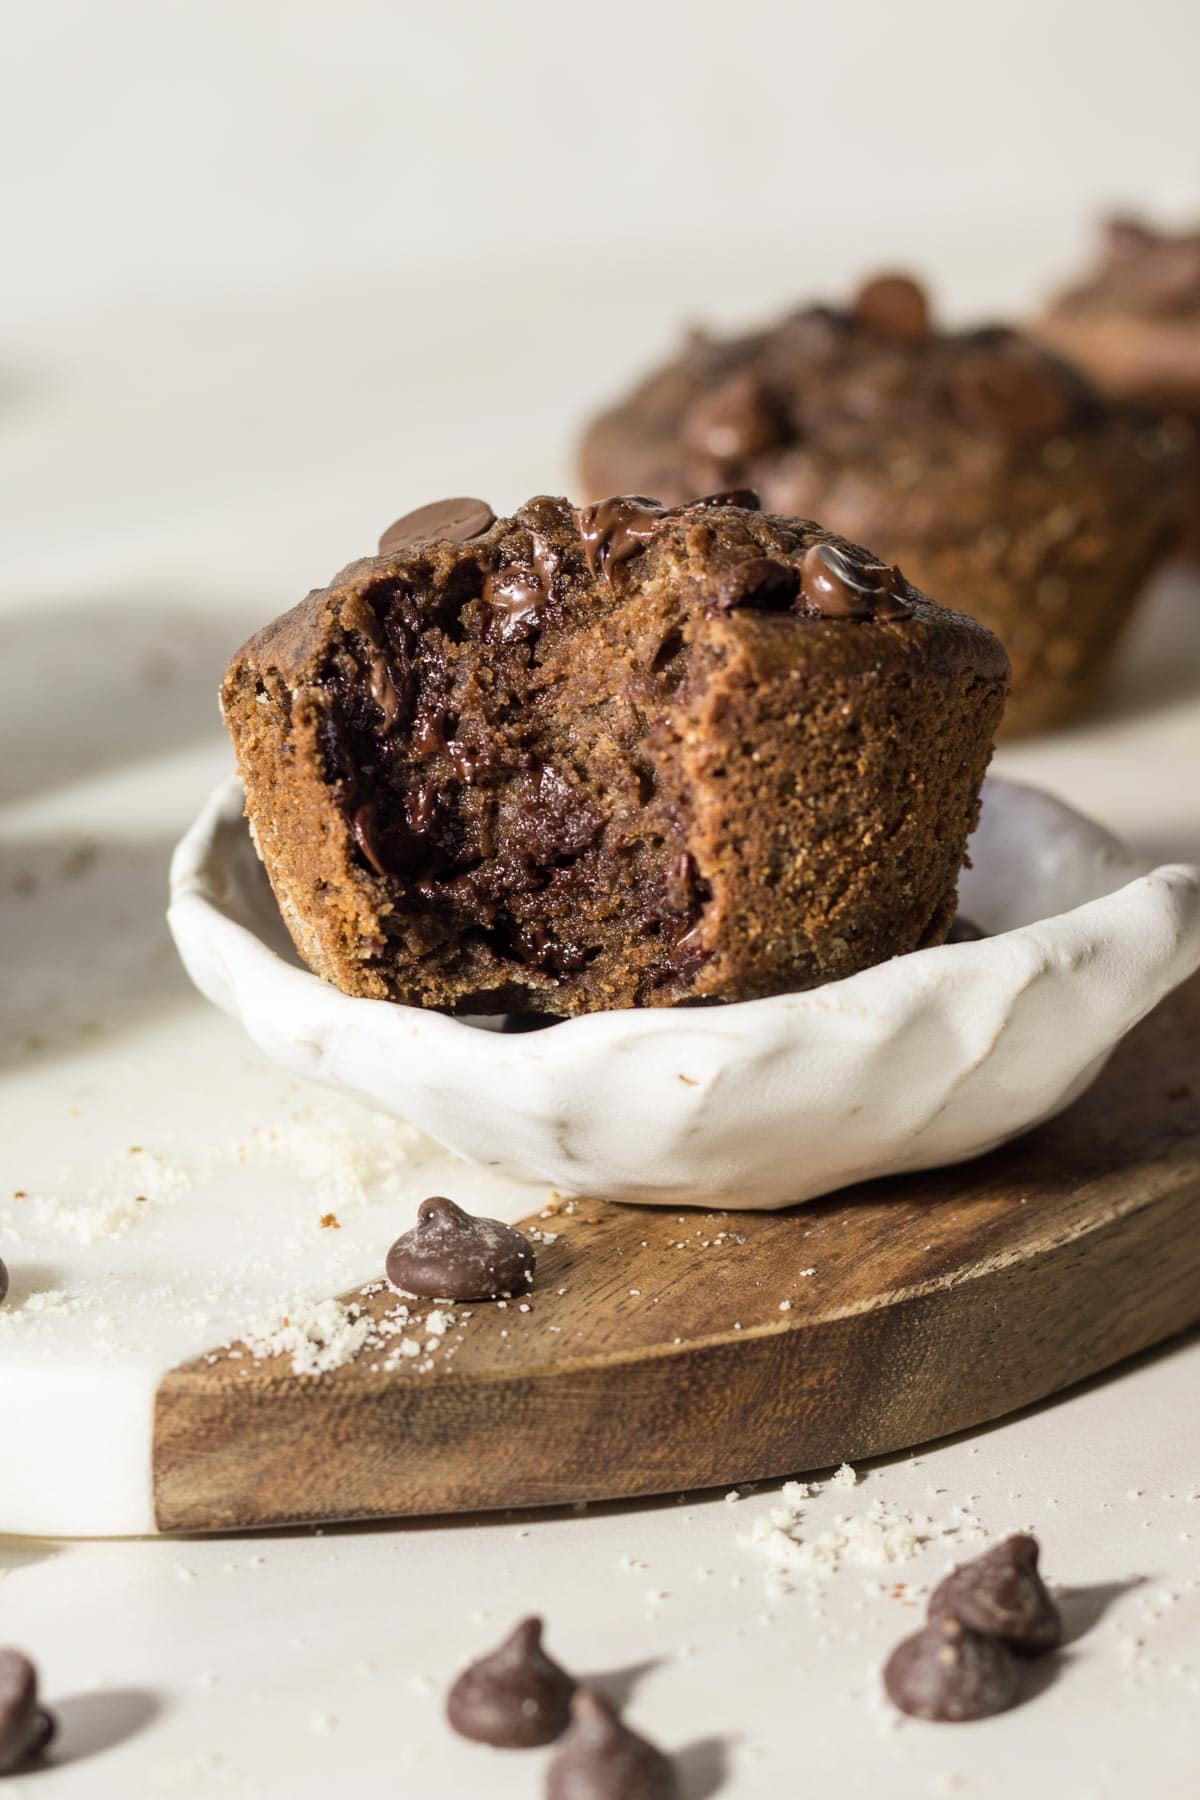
(514, 1698)
(601, 1759)
(452, 1255)
(3, 1281)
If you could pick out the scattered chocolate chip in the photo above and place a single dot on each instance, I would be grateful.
(760, 583)
(1016, 395)
(733, 420)
(451, 1255)
(601, 1759)
(1002, 1594)
(25, 1728)
(454, 521)
(964, 931)
(950, 1674)
(893, 306)
(614, 530)
(835, 585)
(515, 1698)
(3, 1281)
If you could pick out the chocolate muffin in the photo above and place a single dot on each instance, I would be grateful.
(627, 756)
(1134, 324)
(996, 475)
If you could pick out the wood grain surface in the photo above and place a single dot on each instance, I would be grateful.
(670, 1350)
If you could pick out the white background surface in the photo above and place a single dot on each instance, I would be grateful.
(273, 274)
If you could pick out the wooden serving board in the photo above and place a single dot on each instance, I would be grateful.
(658, 1353)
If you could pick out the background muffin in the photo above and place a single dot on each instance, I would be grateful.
(1134, 322)
(995, 474)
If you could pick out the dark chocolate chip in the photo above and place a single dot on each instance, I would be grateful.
(25, 1727)
(451, 1255)
(895, 307)
(1001, 1593)
(3, 1281)
(514, 598)
(964, 931)
(835, 585)
(613, 530)
(950, 1674)
(448, 521)
(733, 420)
(515, 1698)
(1016, 395)
(760, 583)
(601, 1759)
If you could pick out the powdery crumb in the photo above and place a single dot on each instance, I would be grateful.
(843, 1477)
(872, 1539)
(318, 1335)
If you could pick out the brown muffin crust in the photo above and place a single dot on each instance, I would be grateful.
(993, 472)
(629, 757)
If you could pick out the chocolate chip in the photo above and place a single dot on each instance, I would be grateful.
(733, 420)
(601, 1759)
(950, 1674)
(619, 528)
(449, 521)
(760, 583)
(515, 1698)
(451, 1255)
(1014, 394)
(964, 931)
(3, 1281)
(613, 530)
(1001, 1593)
(25, 1727)
(893, 306)
(835, 585)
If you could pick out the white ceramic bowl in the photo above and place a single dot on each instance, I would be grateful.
(924, 1060)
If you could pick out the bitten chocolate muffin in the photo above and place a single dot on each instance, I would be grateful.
(1134, 323)
(627, 756)
(993, 473)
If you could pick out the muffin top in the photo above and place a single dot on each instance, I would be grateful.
(514, 586)
(872, 416)
(1141, 270)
